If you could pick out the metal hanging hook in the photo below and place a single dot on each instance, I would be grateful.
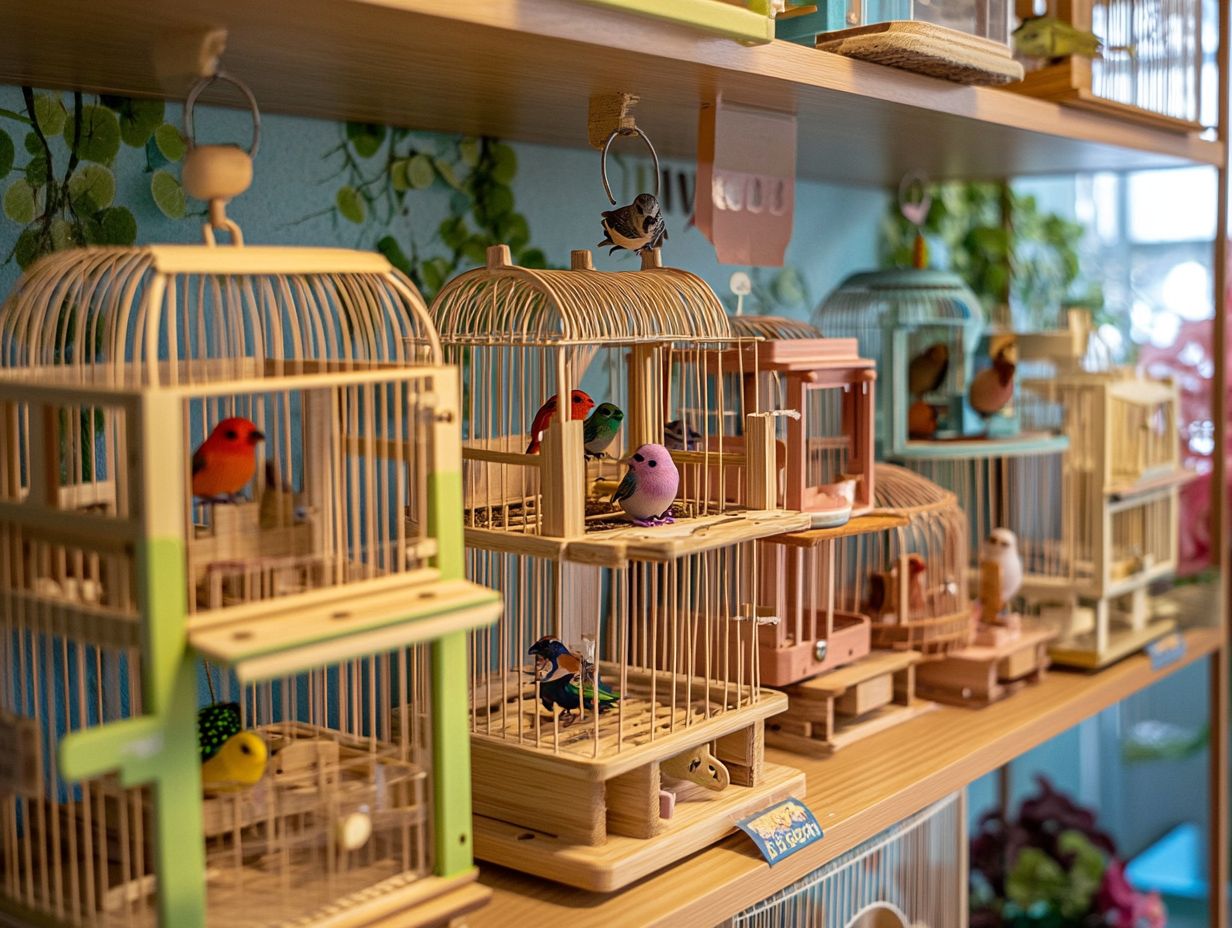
(205, 82)
(638, 133)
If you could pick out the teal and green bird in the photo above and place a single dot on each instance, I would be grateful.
(231, 756)
(563, 691)
(600, 429)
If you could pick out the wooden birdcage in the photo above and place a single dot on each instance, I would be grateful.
(1120, 500)
(1149, 70)
(928, 611)
(912, 875)
(657, 621)
(326, 591)
(826, 388)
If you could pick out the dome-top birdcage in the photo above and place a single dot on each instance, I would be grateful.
(917, 571)
(923, 329)
(655, 343)
(229, 469)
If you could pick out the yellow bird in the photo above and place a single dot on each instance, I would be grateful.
(238, 763)
(231, 757)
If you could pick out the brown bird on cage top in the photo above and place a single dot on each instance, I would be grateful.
(927, 370)
(884, 591)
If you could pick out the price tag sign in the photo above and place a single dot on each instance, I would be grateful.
(783, 829)
(1167, 650)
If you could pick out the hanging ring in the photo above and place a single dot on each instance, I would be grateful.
(914, 200)
(638, 133)
(205, 82)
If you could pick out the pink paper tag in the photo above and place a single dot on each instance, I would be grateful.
(746, 182)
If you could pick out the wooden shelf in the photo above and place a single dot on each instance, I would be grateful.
(524, 69)
(855, 794)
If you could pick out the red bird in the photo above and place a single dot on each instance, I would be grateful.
(226, 461)
(580, 406)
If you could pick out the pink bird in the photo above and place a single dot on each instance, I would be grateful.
(650, 486)
(993, 388)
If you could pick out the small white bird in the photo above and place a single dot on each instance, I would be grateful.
(1000, 552)
(637, 227)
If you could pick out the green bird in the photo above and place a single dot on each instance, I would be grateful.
(600, 429)
(1049, 37)
(216, 724)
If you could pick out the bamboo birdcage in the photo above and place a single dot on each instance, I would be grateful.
(318, 595)
(1150, 70)
(660, 616)
(935, 600)
(1120, 496)
(912, 875)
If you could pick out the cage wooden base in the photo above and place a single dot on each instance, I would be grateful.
(838, 708)
(982, 674)
(427, 902)
(1082, 652)
(700, 818)
(848, 642)
(648, 725)
(1068, 82)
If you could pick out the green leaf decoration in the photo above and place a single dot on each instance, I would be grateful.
(513, 230)
(100, 135)
(397, 174)
(91, 188)
(50, 114)
(168, 195)
(434, 272)
(36, 171)
(468, 150)
(533, 257)
(476, 249)
(138, 118)
(389, 247)
(453, 232)
(6, 153)
(350, 204)
(1035, 878)
(366, 138)
(32, 143)
(26, 250)
(170, 142)
(504, 163)
(447, 173)
(419, 173)
(117, 226)
(19, 203)
(497, 202)
(63, 235)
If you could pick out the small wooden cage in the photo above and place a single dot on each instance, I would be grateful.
(922, 329)
(912, 580)
(327, 584)
(623, 648)
(912, 875)
(1119, 494)
(1149, 69)
(826, 390)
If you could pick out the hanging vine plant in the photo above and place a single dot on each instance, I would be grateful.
(64, 194)
(380, 170)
